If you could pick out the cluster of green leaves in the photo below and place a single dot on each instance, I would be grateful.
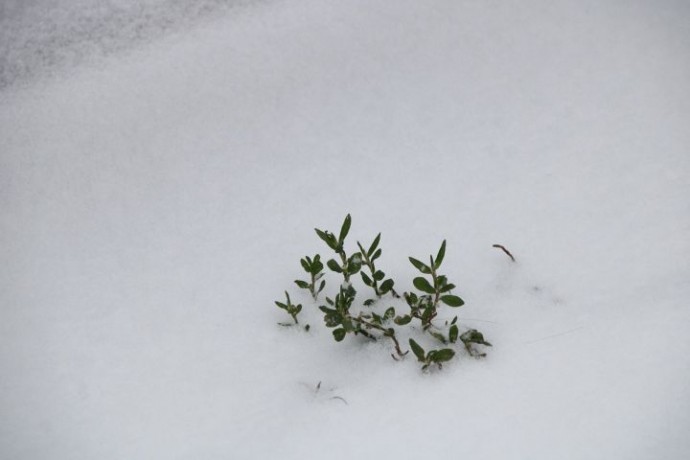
(291, 309)
(431, 357)
(347, 266)
(343, 316)
(338, 315)
(435, 290)
(314, 269)
(471, 337)
(376, 278)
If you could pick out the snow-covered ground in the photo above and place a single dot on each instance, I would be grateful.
(43, 37)
(156, 197)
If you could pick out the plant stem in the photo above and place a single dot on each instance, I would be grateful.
(346, 274)
(312, 287)
(372, 269)
(385, 333)
(437, 296)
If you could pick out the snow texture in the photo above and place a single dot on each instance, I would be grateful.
(158, 189)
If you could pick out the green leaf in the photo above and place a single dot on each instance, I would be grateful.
(345, 229)
(438, 336)
(376, 255)
(369, 302)
(297, 309)
(323, 285)
(386, 286)
(453, 333)
(411, 299)
(474, 336)
(306, 265)
(361, 248)
(333, 265)
(379, 275)
(440, 255)
(455, 320)
(428, 312)
(302, 284)
(447, 288)
(423, 285)
(420, 266)
(339, 334)
(281, 305)
(442, 355)
(402, 320)
(333, 320)
(366, 279)
(374, 245)
(316, 267)
(348, 326)
(418, 351)
(328, 238)
(389, 313)
(350, 292)
(452, 300)
(354, 263)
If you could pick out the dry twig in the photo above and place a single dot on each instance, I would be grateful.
(503, 248)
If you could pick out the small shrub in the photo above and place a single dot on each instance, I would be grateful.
(345, 316)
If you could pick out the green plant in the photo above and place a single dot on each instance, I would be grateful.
(425, 307)
(376, 276)
(292, 310)
(437, 357)
(474, 336)
(371, 319)
(314, 268)
(348, 266)
(338, 315)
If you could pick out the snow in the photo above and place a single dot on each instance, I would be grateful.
(158, 192)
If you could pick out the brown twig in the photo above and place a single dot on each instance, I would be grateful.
(503, 248)
(339, 399)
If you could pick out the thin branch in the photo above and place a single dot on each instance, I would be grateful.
(502, 248)
(339, 399)
(398, 350)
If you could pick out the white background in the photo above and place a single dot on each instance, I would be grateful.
(157, 189)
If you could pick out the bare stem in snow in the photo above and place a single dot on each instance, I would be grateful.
(503, 248)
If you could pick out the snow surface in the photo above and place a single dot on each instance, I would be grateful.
(156, 201)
